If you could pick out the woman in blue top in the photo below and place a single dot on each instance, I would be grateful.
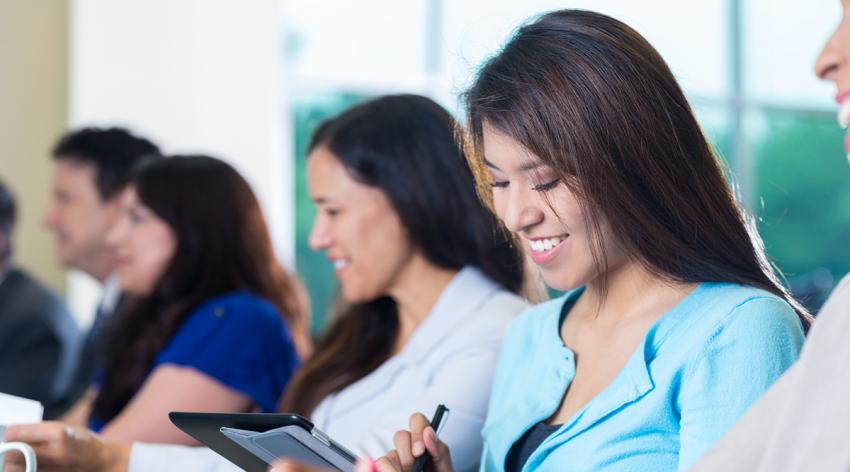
(674, 322)
(213, 323)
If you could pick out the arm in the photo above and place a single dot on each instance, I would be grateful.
(463, 384)
(742, 447)
(743, 358)
(171, 388)
(78, 415)
(61, 447)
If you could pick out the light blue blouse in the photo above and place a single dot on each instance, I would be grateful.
(700, 366)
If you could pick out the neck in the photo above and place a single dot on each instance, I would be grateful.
(416, 293)
(631, 290)
(101, 266)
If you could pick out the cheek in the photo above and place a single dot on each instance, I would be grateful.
(153, 255)
(500, 202)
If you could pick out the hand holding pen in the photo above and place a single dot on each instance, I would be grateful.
(415, 450)
(413, 447)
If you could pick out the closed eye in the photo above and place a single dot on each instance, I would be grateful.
(499, 184)
(546, 186)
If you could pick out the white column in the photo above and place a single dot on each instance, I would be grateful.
(196, 76)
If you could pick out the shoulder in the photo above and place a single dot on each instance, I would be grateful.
(737, 326)
(487, 308)
(32, 293)
(227, 326)
(749, 312)
(501, 308)
(26, 298)
(240, 309)
(230, 318)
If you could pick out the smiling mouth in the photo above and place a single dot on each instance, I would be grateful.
(545, 244)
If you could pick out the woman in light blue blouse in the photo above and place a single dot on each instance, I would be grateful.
(673, 323)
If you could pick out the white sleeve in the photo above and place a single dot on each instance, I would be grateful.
(463, 385)
(166, 458)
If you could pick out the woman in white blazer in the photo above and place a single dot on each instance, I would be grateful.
(429, 278)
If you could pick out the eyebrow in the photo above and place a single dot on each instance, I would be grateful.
(322, 200)
(525, 167)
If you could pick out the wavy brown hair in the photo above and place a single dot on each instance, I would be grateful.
(595, 102)
(405, 146)
(223, 245)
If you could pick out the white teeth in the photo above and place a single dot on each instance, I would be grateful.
(844, 113)
(340, 264)
(543, 245)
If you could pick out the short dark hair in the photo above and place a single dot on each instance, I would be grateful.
(7, 220)
(113, 152)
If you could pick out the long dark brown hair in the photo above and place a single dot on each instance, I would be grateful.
(593, 100)
(403, 145)
(223, 245)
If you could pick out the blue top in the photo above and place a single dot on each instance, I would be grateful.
(238, 339)
(700, 366)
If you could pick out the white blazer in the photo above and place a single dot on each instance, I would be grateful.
(449, 359)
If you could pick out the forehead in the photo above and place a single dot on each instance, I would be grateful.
(327, 178)
(325, 171)
(74, 171)
(502, 152)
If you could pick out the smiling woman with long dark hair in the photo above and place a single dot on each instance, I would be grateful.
(212, 321)
(429, 283)
(673, 323)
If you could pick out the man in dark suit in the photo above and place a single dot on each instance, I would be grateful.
(39, 339)
(92, 166)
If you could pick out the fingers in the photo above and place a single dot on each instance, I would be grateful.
(388, 463)
(365, 465)
(418, 423)
(14, 461)
(403, 450)
(440, 455)
(35, 433)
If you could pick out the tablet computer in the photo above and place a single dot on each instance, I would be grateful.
(253, 441)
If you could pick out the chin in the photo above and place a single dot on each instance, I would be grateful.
(564, 282)
(354, 295)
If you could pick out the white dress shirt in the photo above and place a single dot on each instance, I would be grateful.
(449, 359)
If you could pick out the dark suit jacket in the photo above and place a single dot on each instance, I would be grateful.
(39, 341)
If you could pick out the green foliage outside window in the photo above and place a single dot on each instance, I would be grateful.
(803, 183)
(309, 110)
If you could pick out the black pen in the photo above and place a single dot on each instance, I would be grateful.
(439, 415)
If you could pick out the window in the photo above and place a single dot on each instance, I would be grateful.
(750, 81)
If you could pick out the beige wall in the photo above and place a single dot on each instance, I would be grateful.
(33, 112)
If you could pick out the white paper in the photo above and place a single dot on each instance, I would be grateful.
(17, 410)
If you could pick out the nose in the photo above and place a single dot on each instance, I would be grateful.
(517, 208)
(320, 238)
(829, 60)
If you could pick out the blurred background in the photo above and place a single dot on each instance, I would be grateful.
(248, 81)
